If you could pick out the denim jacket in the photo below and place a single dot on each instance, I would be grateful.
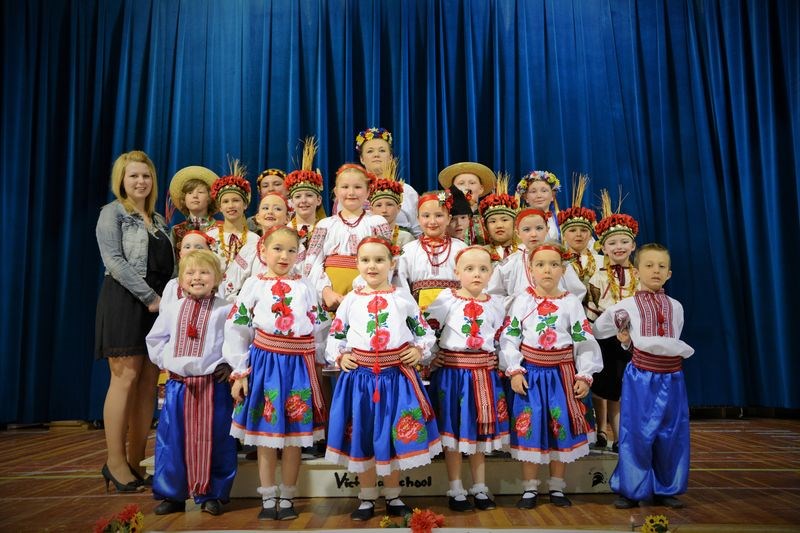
(122, 239)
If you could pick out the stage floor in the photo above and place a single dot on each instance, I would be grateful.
(745, 477)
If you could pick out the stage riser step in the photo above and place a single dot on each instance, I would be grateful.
(320, 479)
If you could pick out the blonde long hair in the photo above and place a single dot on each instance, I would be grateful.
(118, 175)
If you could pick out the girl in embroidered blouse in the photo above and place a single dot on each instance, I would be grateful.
(271, 180)
(468, 398)
(428, 264)
(234, 244)
(387, 425)
(331, 255)
(195, 454)
(548, 351)
(270, 341)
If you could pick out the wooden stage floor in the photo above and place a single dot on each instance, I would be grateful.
(745, 477)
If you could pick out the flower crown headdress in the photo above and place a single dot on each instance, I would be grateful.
(499, 201)
(614, 221)
(305, 177)
(577, 215)
(444, 198)
(537, 175)
(372, 133)
(387, 186)
(270, 172)
(233, 182)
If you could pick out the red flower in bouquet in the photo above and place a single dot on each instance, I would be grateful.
(425, 521)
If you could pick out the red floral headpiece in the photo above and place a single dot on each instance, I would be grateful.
(394, 250)
(494, 204)
(577, 216)
(209, 240)
(473, 247)
(299, 180)
(386, 188)
(355, 166)
(616, 223)
(232, 183)
(372, 133)
(444, 198)
(270, 172)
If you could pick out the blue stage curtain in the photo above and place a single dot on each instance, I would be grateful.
(690, 106)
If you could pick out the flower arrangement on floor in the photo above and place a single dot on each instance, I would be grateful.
(420, 521)
(655, 524)
(129, 520)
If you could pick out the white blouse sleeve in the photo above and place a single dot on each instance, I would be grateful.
(588, 358)
(336, 343)
(158, 338)
(424, 337)
(509, 355)
(239, 332)
(572, 283)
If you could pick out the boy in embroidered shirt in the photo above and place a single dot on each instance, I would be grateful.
(474, 180)
(385, 199)
(654, 419)
(195, 455)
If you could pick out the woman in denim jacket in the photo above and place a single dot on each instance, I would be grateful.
(138, 257)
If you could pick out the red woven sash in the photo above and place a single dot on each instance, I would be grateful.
(198, 417)
(480, 364)
(661, 364)
(341, 261)
(391, 358)
(300, 346)
(417, 286)
(566, 365)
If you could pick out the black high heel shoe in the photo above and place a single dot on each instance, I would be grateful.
(132, 486)
(146, 481)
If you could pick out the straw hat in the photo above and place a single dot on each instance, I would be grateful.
(185, 174)
(484, 173)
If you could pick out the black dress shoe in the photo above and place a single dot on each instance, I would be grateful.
(528, 503)
(558, 499)
(268, 513)
(397, 510)
(615, 447)
(212, 507)
(131, 486)
(625, 503)
(459, 505)
(169, 507)
(286, 513)
(669, 501)
(364, 514)
(602, 440)
(485, 504)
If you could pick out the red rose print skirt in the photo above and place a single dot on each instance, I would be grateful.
(390, 434)
(278, 410)
(540, 427)
(455, 405)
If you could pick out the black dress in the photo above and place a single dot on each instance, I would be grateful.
(122, 321)
(608, 382)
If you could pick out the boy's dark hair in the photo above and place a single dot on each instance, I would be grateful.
(650, 247)
(191, 185)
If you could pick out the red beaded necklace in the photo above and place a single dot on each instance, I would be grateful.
(352, 224)
(436, 246)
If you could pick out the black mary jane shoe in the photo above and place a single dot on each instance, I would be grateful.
(558, 499)
(625, 503)
(397, 510)
(460, 506)
(485, 504)
(669, 501)
(528, 503)
(169, 507)
(212, 507)
(131, 486)
(286, 513)
(269, 513)
(363, 514)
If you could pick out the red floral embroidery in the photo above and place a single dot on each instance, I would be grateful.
(472, 310)
(377, 304)
(587, 326)
(285, 322)
(280, 289)
(296, 408)
(546, 307)
(281, 308)
(337, 325)
(474, 343)
(502, 409)
(432, 322)
(523, 424)
(380, 339)
(348, 432)
(232, 311)
(408, 429)
(548, 338)
(555, 427)
(269, 410)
